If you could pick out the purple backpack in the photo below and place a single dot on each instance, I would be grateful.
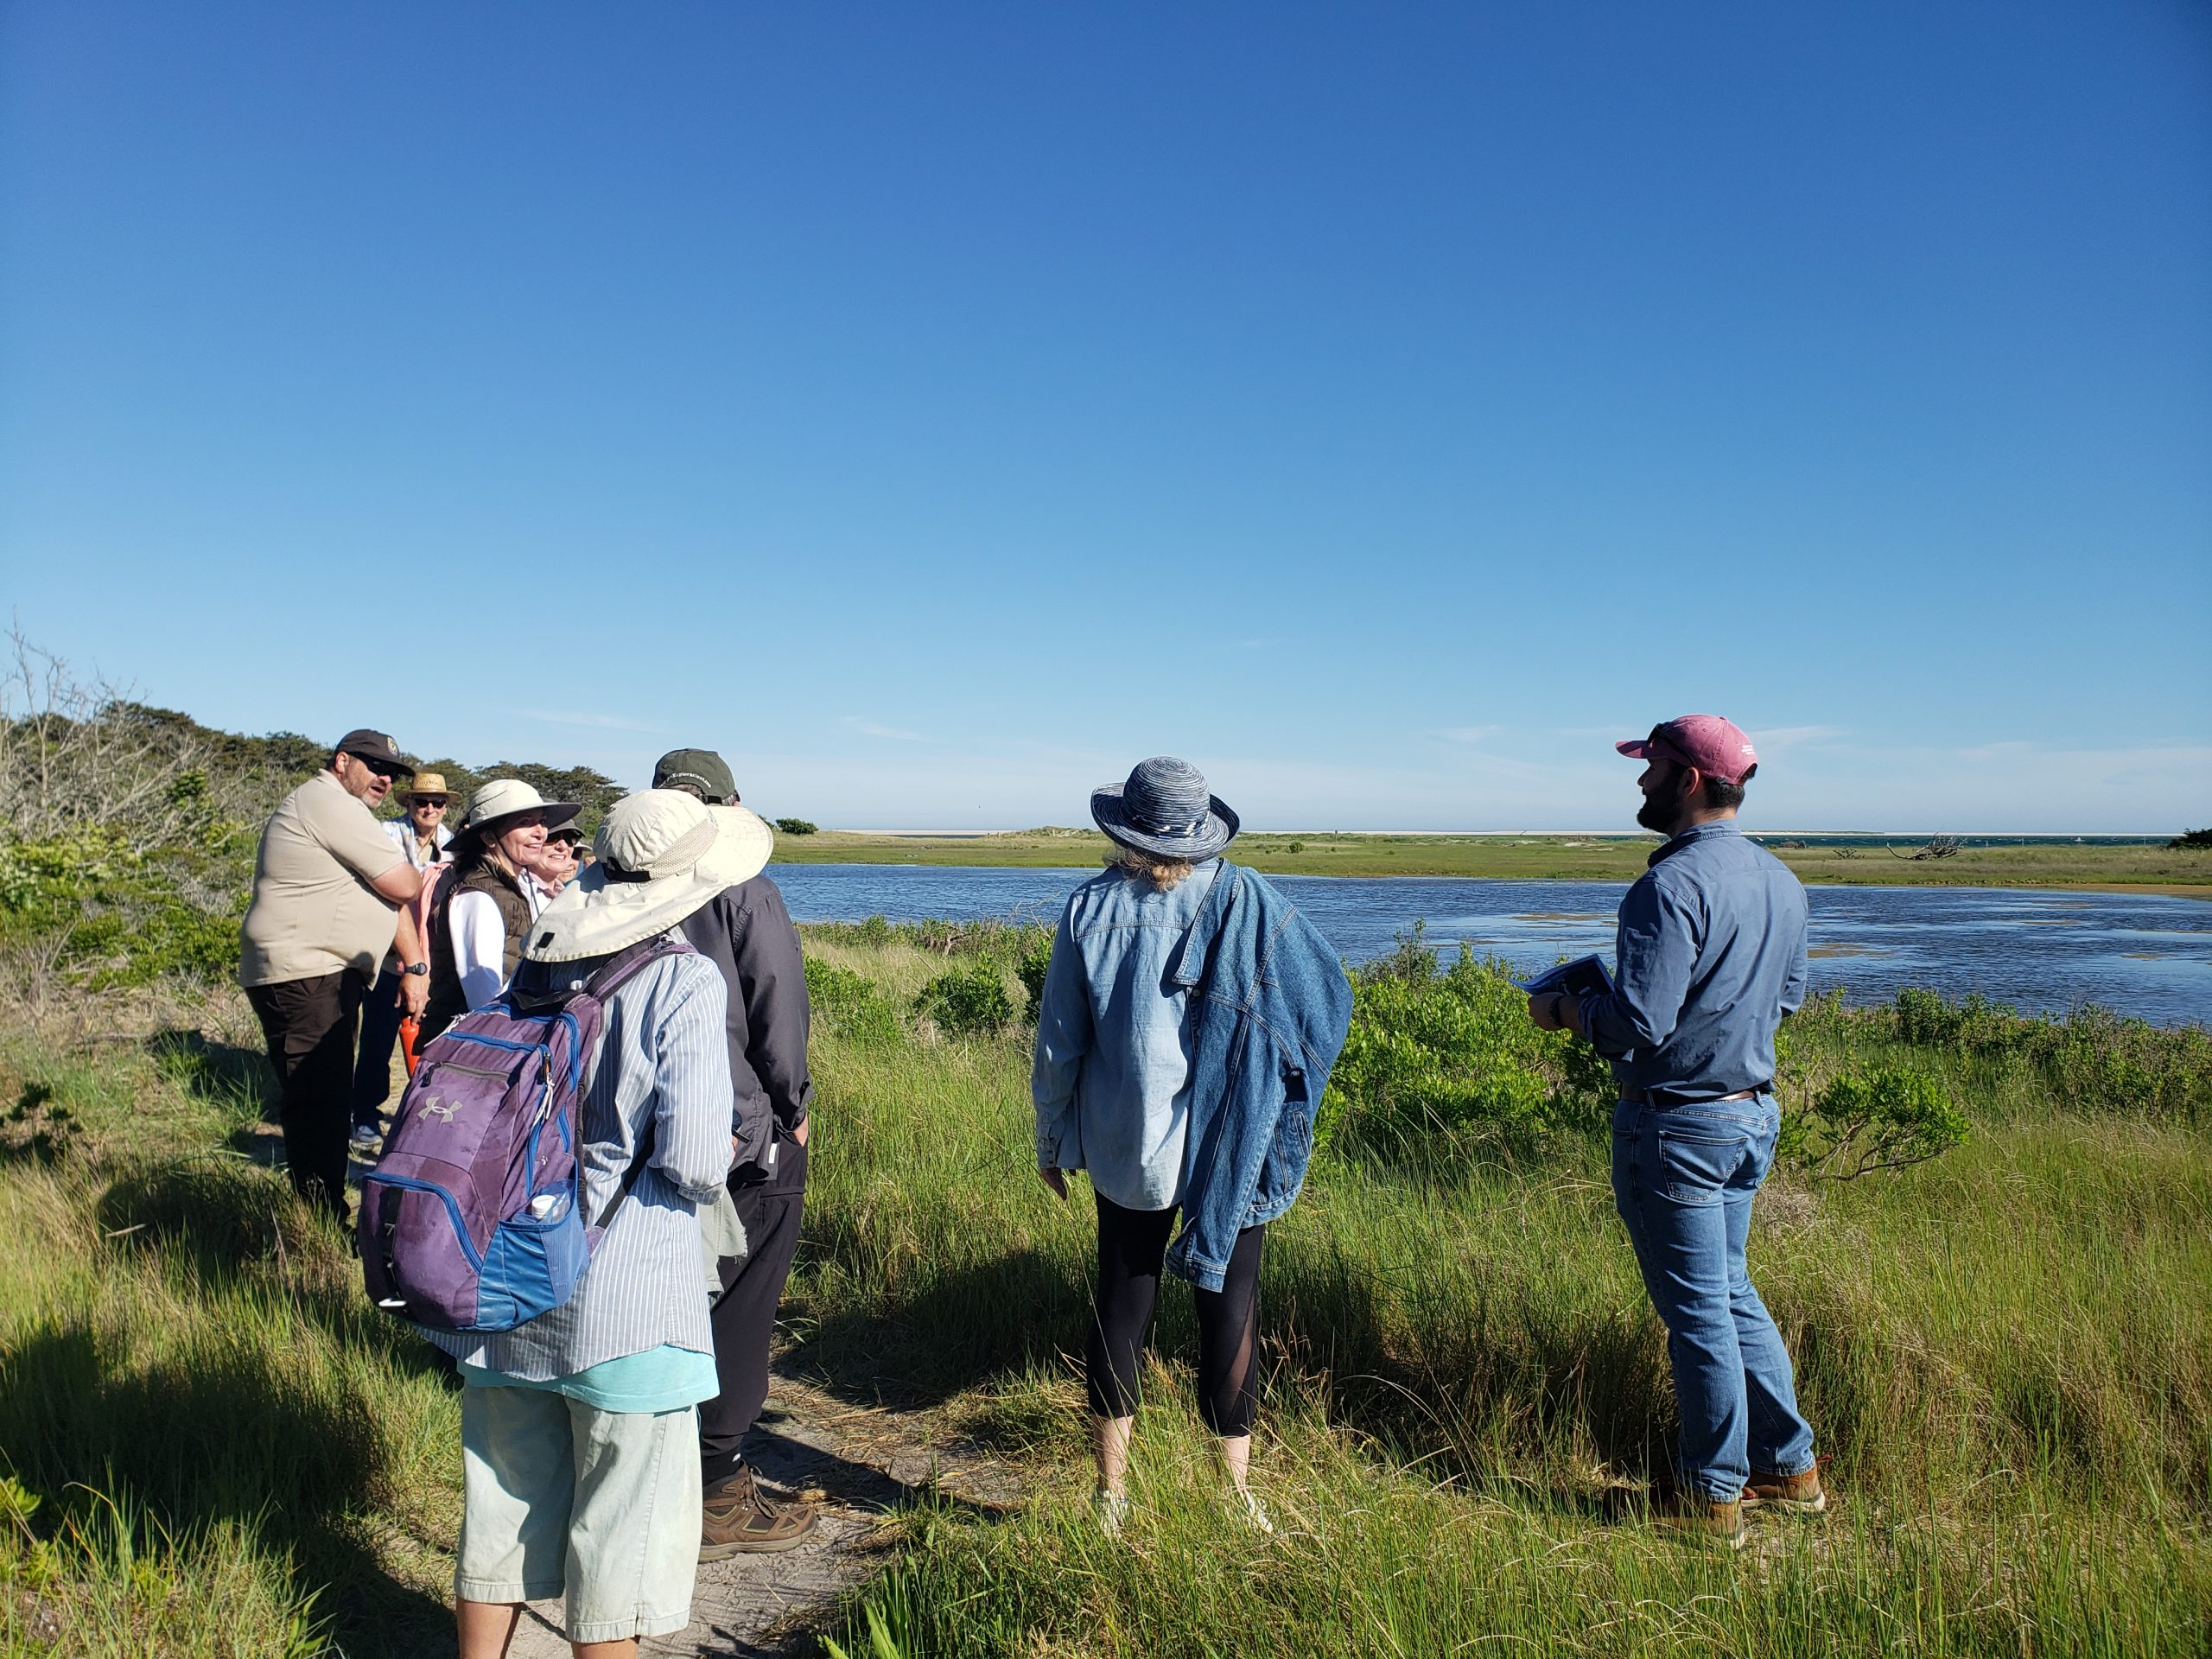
(472, 1219)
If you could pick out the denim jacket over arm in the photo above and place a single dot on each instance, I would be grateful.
(1711, 953)
(1272, 1007)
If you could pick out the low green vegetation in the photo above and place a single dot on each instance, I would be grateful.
(1466, 1389)
(2006, 1346)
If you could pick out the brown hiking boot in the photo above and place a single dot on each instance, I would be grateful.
(738, 1519)
(1800, 1493)
(1701, 1517)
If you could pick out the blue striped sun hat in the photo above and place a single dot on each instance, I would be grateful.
(1164, 810)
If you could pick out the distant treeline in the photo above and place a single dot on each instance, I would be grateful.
(292, 757)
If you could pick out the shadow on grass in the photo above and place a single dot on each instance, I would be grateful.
(226, 1432)
(238, 1080)
(229, 1224)
(1477, 1396)
(951, 1330)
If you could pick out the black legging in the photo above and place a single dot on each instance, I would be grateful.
(1132, 1247)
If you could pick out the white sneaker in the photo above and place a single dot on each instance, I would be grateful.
(365, 1136)
(1112, 1509)
(1245, 1506)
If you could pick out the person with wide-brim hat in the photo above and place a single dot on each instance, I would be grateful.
(655, 864)
(1112, 1089)
(485, 905)
(579, 1429)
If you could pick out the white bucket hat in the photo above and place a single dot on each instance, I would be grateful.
(661, 856)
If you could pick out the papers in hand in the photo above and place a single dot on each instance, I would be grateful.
(1583, 976)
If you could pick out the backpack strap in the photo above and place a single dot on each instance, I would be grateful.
(610, 975)
(629, 1179)
(538, 995)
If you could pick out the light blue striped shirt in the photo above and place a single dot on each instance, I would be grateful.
(662, 1060)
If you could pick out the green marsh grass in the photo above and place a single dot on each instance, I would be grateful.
(2007, 1352)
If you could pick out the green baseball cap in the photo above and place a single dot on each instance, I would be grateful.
(700, 769)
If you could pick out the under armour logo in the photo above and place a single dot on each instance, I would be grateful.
(444, 1110)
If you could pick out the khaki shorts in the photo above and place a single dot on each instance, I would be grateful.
(564, 1498)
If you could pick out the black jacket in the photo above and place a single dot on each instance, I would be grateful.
(746, 932)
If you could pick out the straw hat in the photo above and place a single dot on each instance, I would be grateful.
(494, 803)
(661, 856)
(427, 783)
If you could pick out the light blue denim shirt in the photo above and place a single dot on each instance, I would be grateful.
(1112, 1079)
(1711, 955)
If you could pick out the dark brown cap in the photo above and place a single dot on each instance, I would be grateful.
(365, 745)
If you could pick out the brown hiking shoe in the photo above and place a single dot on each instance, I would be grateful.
(1701, 1517)
(1800, 1493)
(738, 1519)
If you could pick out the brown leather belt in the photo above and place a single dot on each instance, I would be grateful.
(1641, 1097)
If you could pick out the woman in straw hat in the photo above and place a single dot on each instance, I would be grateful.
(1125, 1088)
(488, 901)
(579, 1429)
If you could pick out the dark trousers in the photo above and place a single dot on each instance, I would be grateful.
(379, 1031)
(1132, 1251)
(745, 1313)
(309, 1026)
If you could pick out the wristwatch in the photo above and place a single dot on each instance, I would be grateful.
(416, 968)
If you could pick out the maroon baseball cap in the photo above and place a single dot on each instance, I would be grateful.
(1715, 746)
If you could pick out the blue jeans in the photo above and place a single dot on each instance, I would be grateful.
(1684, 1178)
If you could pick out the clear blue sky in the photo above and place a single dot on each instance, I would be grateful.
(938, 408)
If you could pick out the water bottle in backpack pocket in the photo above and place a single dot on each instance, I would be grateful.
(474, 1217)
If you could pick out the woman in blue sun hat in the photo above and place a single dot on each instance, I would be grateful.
(1186, 1032)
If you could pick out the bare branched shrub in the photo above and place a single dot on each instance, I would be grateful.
(77, 756)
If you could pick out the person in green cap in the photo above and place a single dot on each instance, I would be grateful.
(747, 933)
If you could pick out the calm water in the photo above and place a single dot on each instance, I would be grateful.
(2041, 949)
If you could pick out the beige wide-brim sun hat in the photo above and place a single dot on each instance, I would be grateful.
(494, 803)
(662, 856)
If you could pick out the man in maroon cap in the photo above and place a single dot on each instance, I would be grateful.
(1711, 953)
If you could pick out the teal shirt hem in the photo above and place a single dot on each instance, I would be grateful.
(666, 1378)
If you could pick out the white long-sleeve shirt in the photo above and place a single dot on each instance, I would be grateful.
(480, 941)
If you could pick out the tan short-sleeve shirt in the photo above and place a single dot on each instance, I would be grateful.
(313, 910)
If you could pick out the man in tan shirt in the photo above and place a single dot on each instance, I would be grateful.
(328, 890)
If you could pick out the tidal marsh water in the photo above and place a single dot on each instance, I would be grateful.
(2042, 949)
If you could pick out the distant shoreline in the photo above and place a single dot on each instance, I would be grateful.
(2092, 837)
(1834, 858)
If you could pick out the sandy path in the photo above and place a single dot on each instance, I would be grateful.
(864, 1461)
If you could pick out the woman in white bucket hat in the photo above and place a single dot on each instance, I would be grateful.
(484, 906)
(579, 1428)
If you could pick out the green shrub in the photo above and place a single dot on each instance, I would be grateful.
(1030, 968)
(1890, 1118)
(850, 1004)
(797, 827)
(1453, 1053)
(2190, 840)
(969, 1002)
(2092, 1061)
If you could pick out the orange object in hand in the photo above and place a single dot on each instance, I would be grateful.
(409, 1029)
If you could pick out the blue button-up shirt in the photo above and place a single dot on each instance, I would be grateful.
(1711, 955)
(1112, 1076)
